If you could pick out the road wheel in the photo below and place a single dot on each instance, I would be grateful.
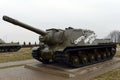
(98, 57)
(104, 55)
(84, 59)
(108, 54)
(91, 58)
(75, 61)
(113, 51)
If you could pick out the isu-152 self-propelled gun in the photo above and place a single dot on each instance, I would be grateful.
(71, 47)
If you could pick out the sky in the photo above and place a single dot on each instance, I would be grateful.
(101, 16)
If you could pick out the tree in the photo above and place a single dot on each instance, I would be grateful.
(114, 36)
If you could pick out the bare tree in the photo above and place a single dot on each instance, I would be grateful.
(114, 36)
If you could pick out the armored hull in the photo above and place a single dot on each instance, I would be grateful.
(81, 48)
(71, 47)
(9, 47)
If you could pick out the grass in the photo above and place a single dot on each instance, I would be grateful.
(112, 75)
(23, 54)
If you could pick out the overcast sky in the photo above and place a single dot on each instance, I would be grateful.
(101, 16)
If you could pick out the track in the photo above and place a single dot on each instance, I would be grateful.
(80, 56)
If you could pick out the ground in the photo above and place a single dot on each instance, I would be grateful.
(25, 54)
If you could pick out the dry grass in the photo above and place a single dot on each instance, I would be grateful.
(23, 54)
(112, 75)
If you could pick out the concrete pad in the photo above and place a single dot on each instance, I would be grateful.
(49, 70)
(93, 70)
(17, 63)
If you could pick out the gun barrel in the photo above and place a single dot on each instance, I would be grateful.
(16, 22)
